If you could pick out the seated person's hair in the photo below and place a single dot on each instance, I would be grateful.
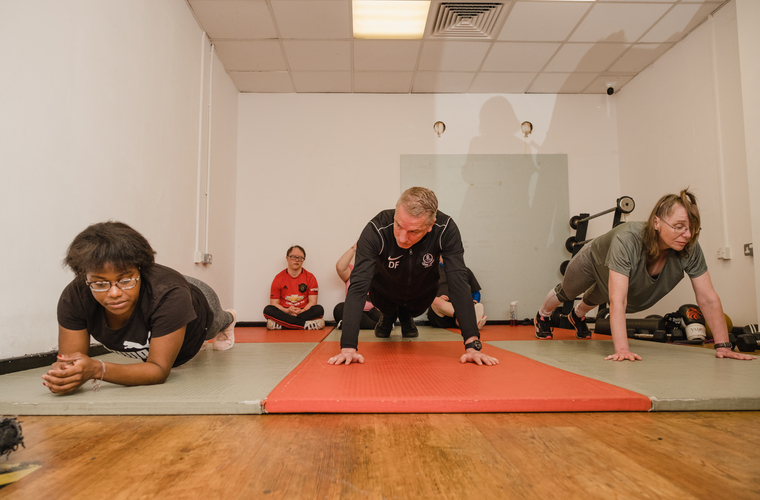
(287, 254)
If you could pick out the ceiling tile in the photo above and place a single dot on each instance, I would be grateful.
(639, 57)
(543, 21)
(501, 83)
(313, 18)
(599, 85)
(452, 56)
(400, 55)
(585, 57)
(234, 18)
(426, 82)
(262, 81)
(318, 55)
(322, 81)
(383, 81)
(514, 56)
(612, 22)
(561, 83)
(679, 21)
(262, 55)
(565, 43)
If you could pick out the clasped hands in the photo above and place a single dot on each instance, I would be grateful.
(69, 372)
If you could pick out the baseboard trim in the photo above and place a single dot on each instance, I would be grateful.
(12, 365)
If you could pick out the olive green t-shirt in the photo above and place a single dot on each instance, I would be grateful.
(622, 250)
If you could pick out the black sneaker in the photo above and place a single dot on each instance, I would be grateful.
(408, 328)
(581, 330)
(384, 326)
(543, 327)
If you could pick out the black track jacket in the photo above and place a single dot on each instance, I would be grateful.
(406, 274)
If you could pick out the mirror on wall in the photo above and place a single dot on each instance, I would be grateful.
(512, 211)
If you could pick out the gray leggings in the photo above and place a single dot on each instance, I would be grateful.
(222, 318)
(580, 278)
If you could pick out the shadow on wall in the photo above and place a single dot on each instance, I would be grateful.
(513, 215)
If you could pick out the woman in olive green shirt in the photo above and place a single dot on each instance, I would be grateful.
(632, 267)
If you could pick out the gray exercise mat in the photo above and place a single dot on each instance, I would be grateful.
(676, 378)
(214, 382)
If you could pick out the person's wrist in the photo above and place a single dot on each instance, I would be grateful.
(475, 345)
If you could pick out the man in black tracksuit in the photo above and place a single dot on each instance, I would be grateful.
(397, 262)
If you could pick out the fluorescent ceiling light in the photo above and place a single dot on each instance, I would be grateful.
(389, 19)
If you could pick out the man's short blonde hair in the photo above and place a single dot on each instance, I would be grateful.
(418, 202)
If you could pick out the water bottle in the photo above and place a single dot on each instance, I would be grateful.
(513, 313)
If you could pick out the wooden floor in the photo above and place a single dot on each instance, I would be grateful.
(395, 456)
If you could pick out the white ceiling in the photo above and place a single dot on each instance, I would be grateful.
(537, 46)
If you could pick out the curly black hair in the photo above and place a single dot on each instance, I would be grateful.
(105, 244)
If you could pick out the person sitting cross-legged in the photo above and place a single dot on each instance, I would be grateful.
(293, 297)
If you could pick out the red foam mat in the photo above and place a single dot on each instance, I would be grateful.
(426, 377)
(522, 332)
(250, 335)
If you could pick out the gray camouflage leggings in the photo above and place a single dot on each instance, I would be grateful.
(222, 318)
(579, 278)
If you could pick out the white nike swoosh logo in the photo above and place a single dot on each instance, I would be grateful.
(395, 258)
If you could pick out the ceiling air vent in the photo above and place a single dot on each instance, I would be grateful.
(466, 20)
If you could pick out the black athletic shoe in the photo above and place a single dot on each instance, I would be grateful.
(543, 327)
(384, 326)
(581, 329)
(408, 328)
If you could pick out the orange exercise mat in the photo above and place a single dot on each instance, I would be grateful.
(253, 334)
(427, 377)
(525, 332)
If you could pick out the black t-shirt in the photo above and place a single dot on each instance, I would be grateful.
(167, 302)
(443, 285)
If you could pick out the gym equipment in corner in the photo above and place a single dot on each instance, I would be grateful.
(624, 205)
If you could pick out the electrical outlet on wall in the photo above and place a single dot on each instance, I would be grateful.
(207, 258)
(748, 250)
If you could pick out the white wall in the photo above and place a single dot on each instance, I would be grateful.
(100, 109)
(671, 137)
(748, 19)
(313, 169)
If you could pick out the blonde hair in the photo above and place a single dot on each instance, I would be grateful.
(665, 207)
(419, 201)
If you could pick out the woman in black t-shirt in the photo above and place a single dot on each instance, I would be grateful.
(134, 307)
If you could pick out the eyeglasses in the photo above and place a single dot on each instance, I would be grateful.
(297, 257)
(680, 228)
(104, 286)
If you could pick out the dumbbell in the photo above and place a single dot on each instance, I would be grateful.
(748, 342)
(655, 336)
(676, 335)
(635, 324)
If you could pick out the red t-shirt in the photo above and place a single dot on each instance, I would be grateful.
(292, 291)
